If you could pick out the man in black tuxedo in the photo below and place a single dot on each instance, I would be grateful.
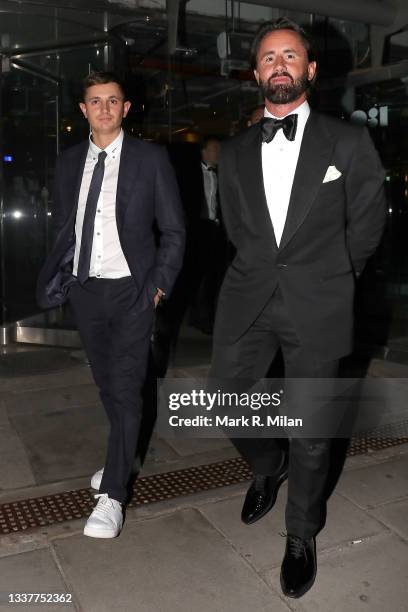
(110, 193)
(209, 234)
(303, 203)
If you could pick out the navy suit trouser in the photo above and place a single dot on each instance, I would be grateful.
(115, 328)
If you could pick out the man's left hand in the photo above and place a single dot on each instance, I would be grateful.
(158, 297)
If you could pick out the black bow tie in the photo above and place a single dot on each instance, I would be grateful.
(269, 127)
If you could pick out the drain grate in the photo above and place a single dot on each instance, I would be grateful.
(386, 436)
(61, 507)
(70, 505)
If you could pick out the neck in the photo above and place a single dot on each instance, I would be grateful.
(104, 140)
(280, 110)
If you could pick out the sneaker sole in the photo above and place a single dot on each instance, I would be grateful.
(100, 533)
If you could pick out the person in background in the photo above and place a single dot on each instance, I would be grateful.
(256, 115)
(210, 240)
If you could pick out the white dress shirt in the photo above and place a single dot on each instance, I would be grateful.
(107, 258)
(210, 191)
(279, 161)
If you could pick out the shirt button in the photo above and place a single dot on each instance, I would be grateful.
(98, 275)
(99, 256)
(98, 233)
(99, 211)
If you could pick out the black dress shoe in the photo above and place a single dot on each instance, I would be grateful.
(262, 494)
(298, 570)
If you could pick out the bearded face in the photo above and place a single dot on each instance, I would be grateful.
(284, 92)
(283, 69)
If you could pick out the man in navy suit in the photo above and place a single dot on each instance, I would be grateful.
(111, 194)
(303, 203)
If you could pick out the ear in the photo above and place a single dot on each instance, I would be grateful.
(256, 75)
(126, 107)
(82, 106)
(311, 70)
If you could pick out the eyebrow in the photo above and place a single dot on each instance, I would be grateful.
(113, 97)
(289, 50)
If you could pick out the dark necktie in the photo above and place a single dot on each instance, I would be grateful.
(269, 127)
(89, 219)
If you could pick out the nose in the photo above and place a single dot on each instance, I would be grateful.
(105, 105)
(279, 63)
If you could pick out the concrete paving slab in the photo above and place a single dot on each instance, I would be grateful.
(375, 456)
(392, 451)
(192, 446)
(16, 469)
(159, 452)
(32, 572)
(19, 542)
(64, 444)
(75, 376)
(368, 577)
(212, 456)
(394, 515)
(176, 563)
(261, 543)
(3, 414)
(376, 484)
(44, 400)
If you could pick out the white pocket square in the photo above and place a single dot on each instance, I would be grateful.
(332, 174)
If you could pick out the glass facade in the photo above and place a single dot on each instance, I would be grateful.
(46, 51)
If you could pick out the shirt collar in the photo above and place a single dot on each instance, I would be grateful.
(302, 111)
(112, 151)
(207, 167)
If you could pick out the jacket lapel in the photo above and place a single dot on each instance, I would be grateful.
(129, 162)
(314, 157)
(251, 179)
(77, 174)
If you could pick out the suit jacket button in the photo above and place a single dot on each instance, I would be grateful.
(280, 265)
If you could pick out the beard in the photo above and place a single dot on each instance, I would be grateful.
(284, 94)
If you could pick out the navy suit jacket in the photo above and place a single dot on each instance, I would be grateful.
(147, 203)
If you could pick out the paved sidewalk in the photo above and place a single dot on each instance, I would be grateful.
(191, 553)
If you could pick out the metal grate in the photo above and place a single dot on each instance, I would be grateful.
(386, 436)
(61, 507)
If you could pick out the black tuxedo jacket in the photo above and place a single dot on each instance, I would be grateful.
(331, 229)
(147, 196)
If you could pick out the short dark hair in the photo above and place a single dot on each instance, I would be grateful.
(204, 142)
(101, 78)
(283, 23)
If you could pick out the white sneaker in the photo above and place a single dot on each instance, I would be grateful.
(106, 520)
(97, 479)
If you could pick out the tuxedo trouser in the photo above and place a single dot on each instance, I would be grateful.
(250, 358)
(115, 332)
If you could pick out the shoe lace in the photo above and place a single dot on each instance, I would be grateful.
(296, 546)
(104, 505)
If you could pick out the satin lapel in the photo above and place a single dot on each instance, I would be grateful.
(129, 163)
(314, 158)
(251, 179)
